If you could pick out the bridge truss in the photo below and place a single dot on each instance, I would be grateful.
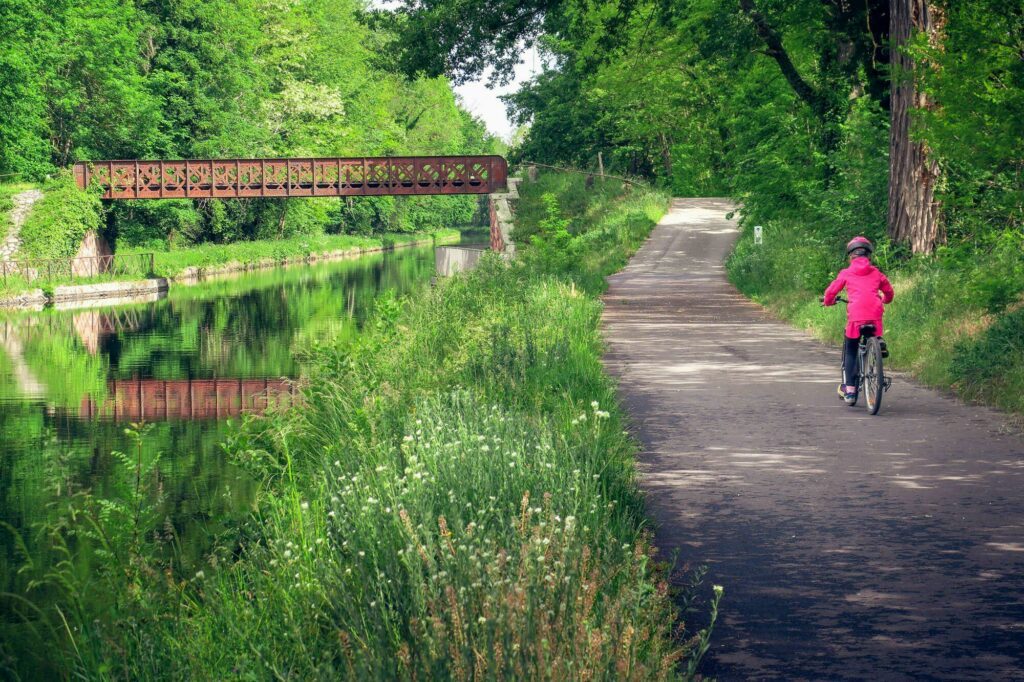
(328, 177)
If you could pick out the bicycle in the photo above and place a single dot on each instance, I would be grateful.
(870, 371)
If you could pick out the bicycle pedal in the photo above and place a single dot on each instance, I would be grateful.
(886, 384)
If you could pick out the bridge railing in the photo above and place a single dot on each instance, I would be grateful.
(57, 269)
(329, 177)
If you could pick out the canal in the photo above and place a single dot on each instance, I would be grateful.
(189, 366)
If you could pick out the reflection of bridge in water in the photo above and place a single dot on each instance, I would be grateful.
(189, 399)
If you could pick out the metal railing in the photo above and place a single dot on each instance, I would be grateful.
(66, 269)
(326, 177)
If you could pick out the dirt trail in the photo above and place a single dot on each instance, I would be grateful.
(850, 546)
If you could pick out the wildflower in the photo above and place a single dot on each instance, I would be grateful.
(601, 414)
(407, 438)
(304, 506)
(481, 620)
(484, 448)
(379, 469)
(373, 604)
(594, 404)
(583, 417)
(337, 463)
(348, 571)
(332, 514)
(200, 575)
(718, 590)
(287, 554)
(362, 553)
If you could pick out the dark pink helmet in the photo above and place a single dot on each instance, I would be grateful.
(860, 243)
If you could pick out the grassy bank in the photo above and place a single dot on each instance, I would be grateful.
(455, 499)
(957, 321)
(175, 263)
(237, 255)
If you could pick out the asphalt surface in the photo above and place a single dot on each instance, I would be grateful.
(850, 546)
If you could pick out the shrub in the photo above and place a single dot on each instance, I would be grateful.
(58, 222)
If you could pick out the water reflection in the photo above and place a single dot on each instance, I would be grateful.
(71, 380)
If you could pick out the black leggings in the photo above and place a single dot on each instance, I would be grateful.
(850, 362)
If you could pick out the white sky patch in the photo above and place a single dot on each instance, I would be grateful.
(482, 101)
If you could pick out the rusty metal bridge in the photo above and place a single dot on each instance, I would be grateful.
(330, 177)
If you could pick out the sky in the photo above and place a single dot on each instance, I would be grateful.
(483, 101)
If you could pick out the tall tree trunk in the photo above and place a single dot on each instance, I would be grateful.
(666, 155)
(913, 210)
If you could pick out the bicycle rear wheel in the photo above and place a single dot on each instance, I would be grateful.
(874, 375)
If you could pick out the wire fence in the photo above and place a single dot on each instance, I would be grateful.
(46, 270)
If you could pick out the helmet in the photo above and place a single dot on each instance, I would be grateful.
(859, 243)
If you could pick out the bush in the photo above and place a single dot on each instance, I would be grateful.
(991, 366)
(155, 225)
(58, 222)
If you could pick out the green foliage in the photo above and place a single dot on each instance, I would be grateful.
(57, 223)
(154, 225)
(977, 76)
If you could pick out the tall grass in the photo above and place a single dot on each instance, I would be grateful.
(955, 322)
(454, 499)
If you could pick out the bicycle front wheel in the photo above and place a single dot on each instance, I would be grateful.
(874, 375)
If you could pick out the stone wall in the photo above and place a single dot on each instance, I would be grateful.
(501, 209)
(93, 256)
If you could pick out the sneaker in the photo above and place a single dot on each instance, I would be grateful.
(885, 349)
(841, 391)
(850, 398)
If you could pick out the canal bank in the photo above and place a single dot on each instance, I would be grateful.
(154, 288)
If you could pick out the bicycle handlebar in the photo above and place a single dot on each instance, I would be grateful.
(838, 299)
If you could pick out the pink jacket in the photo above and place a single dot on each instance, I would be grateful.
(862, 281)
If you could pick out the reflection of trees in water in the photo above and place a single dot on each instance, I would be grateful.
(185, 364)
(240, 328)
(49, 458)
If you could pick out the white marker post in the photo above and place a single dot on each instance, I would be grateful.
(758, 234)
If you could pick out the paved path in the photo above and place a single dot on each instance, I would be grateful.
(850, 547)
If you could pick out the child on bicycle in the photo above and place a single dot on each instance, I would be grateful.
(867, 290)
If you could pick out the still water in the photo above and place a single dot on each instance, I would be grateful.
(71, 382)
